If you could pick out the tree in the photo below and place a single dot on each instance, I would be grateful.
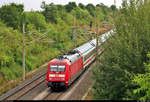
(143, 83)
(81, 6)
(99, 14)
(81, 14)
(91, 9)
(62, 12)
(11, 14)
(105, 9)
(37, 19)
(50, 12)
(125, 53)
(60, 7)
(70, 6)
(113, 7)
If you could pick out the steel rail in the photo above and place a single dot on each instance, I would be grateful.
(22, 86)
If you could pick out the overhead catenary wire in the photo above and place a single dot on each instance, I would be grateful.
(36, 39)
(36, 31)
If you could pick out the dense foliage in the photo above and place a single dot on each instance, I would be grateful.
(11, 15)
(143, 81)
(54, 20)
(124, 60)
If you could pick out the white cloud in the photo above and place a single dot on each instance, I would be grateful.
(35, 4)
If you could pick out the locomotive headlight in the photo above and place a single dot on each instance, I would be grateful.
(50, 78)
(61, 75)
(62, 78)
(51, 75)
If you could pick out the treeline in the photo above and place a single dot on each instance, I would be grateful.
(54, 20)
(12, 15)
(124, 72)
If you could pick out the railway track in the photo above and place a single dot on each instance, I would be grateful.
(53, 96)
(48, 94)
(24, 88)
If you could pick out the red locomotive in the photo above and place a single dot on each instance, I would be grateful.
(62, 71)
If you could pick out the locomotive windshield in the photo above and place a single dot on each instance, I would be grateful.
(57, 68)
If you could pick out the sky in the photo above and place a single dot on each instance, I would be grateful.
(35, 4)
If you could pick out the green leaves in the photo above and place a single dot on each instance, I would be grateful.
(11, 15)
(143, 82)
(126, 55)
(50, 12)
(70, 6)
(37, 19)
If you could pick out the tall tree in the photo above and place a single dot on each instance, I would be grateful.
(143, 82)
(36, 18)
(50, 12)
(70, 6)
(81, 6)
(11, 14)
(113, 7)
(91, 9)
(125, 54)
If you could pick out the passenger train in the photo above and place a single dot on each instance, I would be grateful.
(65, 69)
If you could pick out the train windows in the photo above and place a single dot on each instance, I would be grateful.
(89, 55)
(61, 68)
(57, 68)
(53, 68)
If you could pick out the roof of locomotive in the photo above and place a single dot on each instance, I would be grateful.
(70, 57)
(57, 61)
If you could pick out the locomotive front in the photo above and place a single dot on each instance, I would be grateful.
(57, 73)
